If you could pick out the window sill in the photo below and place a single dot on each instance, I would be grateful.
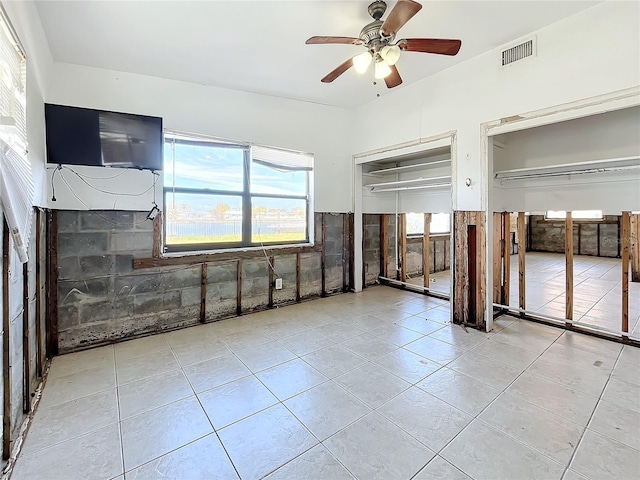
(193, 258)
(235, 250)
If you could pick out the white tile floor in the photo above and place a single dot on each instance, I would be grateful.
(597, 287)
(374, 385)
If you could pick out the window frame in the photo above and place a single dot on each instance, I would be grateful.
(432, 234)
(575, 219)
(245, 195)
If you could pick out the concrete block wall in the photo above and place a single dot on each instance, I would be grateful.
(439, 255)
(371, 248)
(549, 236)
(335, 251)
(16, 304)
(101, 298)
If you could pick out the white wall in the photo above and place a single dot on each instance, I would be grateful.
(592, 53)
(606, 136)
(223, 113)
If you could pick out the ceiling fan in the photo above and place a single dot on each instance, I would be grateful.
(378, 37)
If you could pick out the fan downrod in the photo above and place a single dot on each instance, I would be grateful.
(377, 9)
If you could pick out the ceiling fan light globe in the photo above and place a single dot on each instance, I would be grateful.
(382, 70)
(390, 54)
(362, 61)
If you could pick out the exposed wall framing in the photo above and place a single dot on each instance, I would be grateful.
(402, 246)
(26, 356)
(384, 245)
(634, 246)
(469, 268)
(625, 241)
(568, 254)
(52, 281)
(426, 235)
(6, 347)
(111, 288)
(522, 275)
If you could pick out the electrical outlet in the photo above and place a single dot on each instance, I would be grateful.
(278, 284)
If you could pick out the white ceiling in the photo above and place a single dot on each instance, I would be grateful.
(258, 46)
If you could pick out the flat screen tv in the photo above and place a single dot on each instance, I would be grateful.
(83, 136)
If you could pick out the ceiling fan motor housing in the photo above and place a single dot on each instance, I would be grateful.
(372, 37)
(377, 9)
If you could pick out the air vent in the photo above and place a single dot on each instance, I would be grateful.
(518, 52)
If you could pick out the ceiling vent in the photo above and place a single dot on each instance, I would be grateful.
(518, 52)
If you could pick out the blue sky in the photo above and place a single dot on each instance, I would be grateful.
(221, 169)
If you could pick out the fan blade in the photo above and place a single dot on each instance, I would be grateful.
(335, 40)
(431, 45)
(336, 72)
(393, 79)
(401, 13)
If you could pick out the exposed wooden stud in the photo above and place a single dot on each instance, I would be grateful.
(465, 294)
(239, 287)
(481, 269)
(580, 239)
(568, 254)
(345, 263)
(203, 293)
(634, 247)
(52, 284)
(323, 255)
(364, 257)
(298, 277)
(624, 240)
(425, 249)
(384, 245)
(619, 234)
(6, 335)
(218, 257)
(271, 266)
(39, 349)
(435, 255)
(352, 273)
(506, 258)
(497, 257)
(445, 244)
(26, 351)
(472, 255)
(402, 244)
(522, 293)
(157, 235)
(460, 281)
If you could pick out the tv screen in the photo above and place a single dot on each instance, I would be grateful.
(83, 136)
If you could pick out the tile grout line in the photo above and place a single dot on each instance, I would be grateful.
(206, 415)
(115, 367)
(586, 427)
(491, 403)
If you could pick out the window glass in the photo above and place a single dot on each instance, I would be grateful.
(276, 220)
(440, 223)
(272, 180)
(575, 215)
(192, 165)
(217, 196)
(202, 219)
(415, 223)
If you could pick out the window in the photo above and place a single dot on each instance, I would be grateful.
(575, 215)
(16, 179)
(440, 223)
(223, 195)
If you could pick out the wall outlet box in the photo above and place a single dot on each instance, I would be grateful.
(278, 284)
